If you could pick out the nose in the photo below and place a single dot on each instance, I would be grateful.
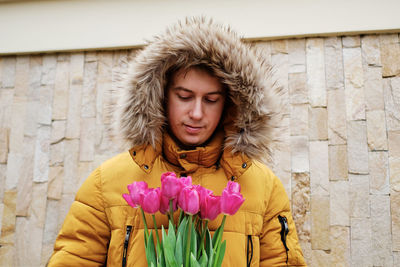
(196, 112)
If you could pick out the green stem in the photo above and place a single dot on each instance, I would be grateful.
(171, 211)
(155, 227)
(180, 219)
(188, 242)
(146, 230)
(203, 233)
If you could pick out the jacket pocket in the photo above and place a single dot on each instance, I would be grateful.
(126, 244)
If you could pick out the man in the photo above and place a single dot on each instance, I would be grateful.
(197, 101)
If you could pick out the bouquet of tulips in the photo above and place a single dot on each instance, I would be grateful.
(188, 241)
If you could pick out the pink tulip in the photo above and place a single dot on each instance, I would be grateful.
(164, 204)
(135, 196)
(203, 192)
(151, 200)
(189, 200)
(231, 198)
(233, 187)
(186, 181)
(170, 185)
(210, 207)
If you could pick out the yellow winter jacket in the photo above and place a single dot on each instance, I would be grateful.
(96, 231)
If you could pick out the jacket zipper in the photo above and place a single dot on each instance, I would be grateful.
(249, 244)
(126, 243)
(284, 233)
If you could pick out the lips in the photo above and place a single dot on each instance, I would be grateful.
(193, 129)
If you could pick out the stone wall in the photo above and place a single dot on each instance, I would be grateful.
(340, 163)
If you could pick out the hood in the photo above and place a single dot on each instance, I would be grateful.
(255, 116)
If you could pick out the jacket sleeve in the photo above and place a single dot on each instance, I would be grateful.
(83, 238)
(272, 249)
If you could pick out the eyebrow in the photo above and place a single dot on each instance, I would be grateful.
(179, 88)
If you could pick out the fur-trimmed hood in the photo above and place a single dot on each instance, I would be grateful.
(140, 117)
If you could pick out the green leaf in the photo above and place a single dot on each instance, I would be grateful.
(160, 257)
(171, 234)
(179, 250)
(168, 244)
(193, 241)
(220, 254)
(203, 259)
(150, 251)
(193, 261)
(209, 248)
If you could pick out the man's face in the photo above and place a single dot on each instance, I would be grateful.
(195, 101)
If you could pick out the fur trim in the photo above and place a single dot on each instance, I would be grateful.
(257, 99)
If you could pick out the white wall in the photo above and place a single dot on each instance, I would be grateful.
(36, 26)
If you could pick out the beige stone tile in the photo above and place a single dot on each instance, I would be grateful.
(42, 155)
(4, 142)
(73, 127)
(23, 256)
(8, 219)
(307, 251)
(361, 245)
(319, 168)
(381, 231)
(45, 104)
(394, 143)
(340, 242)
(371, 50)
(8, 71)
(71, 166)
(316, 72)
(1, 213)
(394, 167)
(297, 55)
(50, 230)
(76, 68)
(392, 103)
(320, 231)
(14, 169)
(55, 185)
(7, 255)
(17, 125)
(120, 57)
(379, 172)
(35, 78)
(24, 186)
(301, 204)
(87, 141)
(373, 88)
(298, 88)
(359, 196)
(333, 63)
(3, 173)
(351, 41)
(61, 88)
(318, 123)
(357, 148)
(338, 166)
(104, 87)
(390, 55)
(337, 133)
(392, 38)
(396, 258)
(30, 118)
(354, 84)
(300, 159)
(88, 108)
(57, 154)
(339, 203)
(280, 62)
(49, 65)
(376, 130)
(279, 46)
(21, 76)
(395, 213)
(57, 131)
(91, 56)
(6, 104)
(85, 169)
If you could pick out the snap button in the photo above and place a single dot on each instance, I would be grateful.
(233, 178)
(244, 165)
(183, 156)
(146, 167)
(134, 153)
